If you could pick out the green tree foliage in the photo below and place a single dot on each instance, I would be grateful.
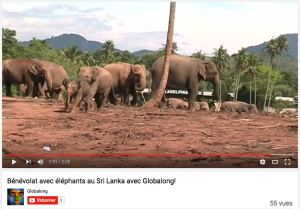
(243, 73)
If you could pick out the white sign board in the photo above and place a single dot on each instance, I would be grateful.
(180, 92)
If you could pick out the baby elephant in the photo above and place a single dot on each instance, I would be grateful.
(81, 91)
(175, 103)
(201, 106)
(238, 106)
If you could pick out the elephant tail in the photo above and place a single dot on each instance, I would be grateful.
(113, 91)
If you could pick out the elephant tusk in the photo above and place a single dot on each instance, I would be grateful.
(143, 98)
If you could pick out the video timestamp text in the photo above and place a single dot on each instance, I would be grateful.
(59, 161)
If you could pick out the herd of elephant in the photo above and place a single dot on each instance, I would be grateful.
(38, 78)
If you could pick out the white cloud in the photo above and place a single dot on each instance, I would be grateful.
(143, 25)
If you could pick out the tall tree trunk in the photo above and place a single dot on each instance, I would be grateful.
(273, 84)
(220, 85)
(268, 87)
(255, 91)
(237, 86)
(250, 91)
(156, 98)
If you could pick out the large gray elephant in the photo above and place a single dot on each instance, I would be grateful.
(238, 106)
(186, 73)
(101, 82)
(23, 71)
(58, 74)
(127, 80)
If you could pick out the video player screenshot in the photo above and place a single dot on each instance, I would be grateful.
(149, 105)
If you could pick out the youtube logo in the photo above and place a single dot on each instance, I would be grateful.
(32, 200)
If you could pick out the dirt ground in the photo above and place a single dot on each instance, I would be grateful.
(29, 125)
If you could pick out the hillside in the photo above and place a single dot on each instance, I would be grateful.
(289, 62)
(83, 44)
(65, 40)
(142, 52)
(293, 43)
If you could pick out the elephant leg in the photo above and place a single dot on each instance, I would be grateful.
(8, 90)
(97, 100)
(112, 99)
(22, 91)
(122, 99)
(76, 103)
(60, 95)
(104, 99)
(40, 90)
(133, 93)
(87, 104)
(30, 85)
(192, 99)
(35, 90)
(126, 99)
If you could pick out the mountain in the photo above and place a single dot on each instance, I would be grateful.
(293, 43)
(83, 44)
(65, 40)
(142, 52)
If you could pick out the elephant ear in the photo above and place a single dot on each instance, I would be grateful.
(65, 83)
(136, 72)
(33, 69)
(135, 69)
(95, 74)
(201, 69)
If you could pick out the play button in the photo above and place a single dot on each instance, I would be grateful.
(13, 161)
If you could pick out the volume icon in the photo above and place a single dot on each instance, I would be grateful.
(41, 162)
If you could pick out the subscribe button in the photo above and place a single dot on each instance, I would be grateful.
(42, 200)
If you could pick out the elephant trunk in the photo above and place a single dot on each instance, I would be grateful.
(217, 84)
(48, 81)
(142, 85)
(67, 103)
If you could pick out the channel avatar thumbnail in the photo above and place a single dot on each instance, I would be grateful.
(15, 196)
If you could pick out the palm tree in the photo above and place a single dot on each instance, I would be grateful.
(108, 48)
(281, 45)
(87, 59)
(155, 100)
(221, 58)
(241, 62)
(174, 48)
(271, 50)
(199, 55)
(72, 53)
(252, 67)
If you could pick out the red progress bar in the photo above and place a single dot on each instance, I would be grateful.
(142, 154)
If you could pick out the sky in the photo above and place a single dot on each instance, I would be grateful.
(135, 26)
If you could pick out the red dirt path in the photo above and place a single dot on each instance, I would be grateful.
(28, 125)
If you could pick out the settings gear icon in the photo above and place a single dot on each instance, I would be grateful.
(262, 162)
